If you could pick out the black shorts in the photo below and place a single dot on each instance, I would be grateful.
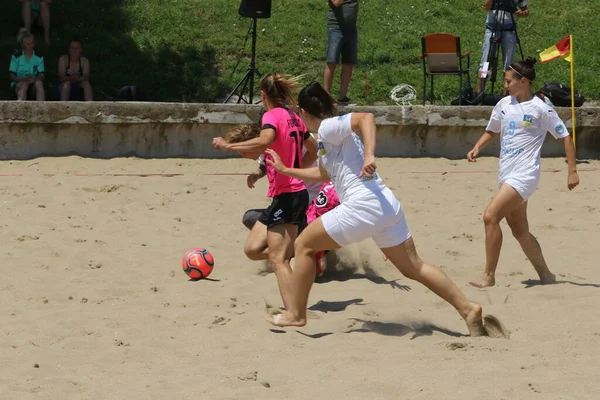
(286, 208)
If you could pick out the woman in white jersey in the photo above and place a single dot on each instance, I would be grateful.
(368, 209)
(521, 120)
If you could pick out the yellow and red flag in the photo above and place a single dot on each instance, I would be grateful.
(561, 49)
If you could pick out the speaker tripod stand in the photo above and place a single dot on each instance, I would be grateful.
(247, 82)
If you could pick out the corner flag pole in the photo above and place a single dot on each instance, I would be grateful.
(573, 92)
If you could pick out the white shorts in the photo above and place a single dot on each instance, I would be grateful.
(525, 188)
(377, 215)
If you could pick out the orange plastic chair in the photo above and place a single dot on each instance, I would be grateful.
(441, 55)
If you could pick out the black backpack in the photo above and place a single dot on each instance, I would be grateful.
(560, 95)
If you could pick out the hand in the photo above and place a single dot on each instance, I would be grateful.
(572, 180)
(220, 144)
(252, 179)
(369, 167)
(472, 155)
(275, 160)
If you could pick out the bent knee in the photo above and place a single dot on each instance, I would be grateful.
(490, 217)
(253, 252)
(66, 85)
(301, 247)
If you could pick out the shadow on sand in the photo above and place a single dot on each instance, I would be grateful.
(532, 282)
(416, 329)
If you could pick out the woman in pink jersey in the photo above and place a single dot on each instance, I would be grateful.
(325, 200)
(283, 131)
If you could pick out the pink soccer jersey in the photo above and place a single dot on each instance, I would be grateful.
(327, 200)
(288, 144)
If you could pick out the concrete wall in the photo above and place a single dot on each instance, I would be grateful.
(154, 130)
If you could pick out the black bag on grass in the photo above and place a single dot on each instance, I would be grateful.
(560, 95)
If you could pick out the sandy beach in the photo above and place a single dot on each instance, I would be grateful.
(94, 303)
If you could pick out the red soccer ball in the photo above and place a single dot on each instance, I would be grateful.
(198, 263)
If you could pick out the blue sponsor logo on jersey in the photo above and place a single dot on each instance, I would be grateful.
(527, 120)
(511, 151)
(322, 151)
(560, 129)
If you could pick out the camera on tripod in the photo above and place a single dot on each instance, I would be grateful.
(501, 25)
(504, 5)
(254, 9)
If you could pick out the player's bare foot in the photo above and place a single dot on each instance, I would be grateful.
(285, 319)
(548, 279)
(474, 321)
(485, 281)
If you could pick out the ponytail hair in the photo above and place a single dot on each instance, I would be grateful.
(280, 89)
(524, 68)
(242, 133)
(315, 100)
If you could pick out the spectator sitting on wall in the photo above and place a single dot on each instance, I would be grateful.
(37, 12)
(27, 71)
(74, 74)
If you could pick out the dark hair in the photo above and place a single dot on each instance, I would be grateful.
(316, 101)
(76, 39)
(279, 88)
(524, 68)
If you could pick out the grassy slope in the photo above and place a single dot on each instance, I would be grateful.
(196, 50)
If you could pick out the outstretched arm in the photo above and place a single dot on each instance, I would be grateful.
(314, 174)
(259, 144)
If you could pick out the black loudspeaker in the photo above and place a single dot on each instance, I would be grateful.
(255, 8)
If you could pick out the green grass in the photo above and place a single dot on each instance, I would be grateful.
(197, 50)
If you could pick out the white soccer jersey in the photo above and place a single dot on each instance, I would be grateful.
(341, 152)
(522, 128)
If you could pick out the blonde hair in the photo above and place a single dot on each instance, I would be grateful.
(280, 89)
(24, 34)
(242, 133)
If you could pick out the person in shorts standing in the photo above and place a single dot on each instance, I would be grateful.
(342, 45)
